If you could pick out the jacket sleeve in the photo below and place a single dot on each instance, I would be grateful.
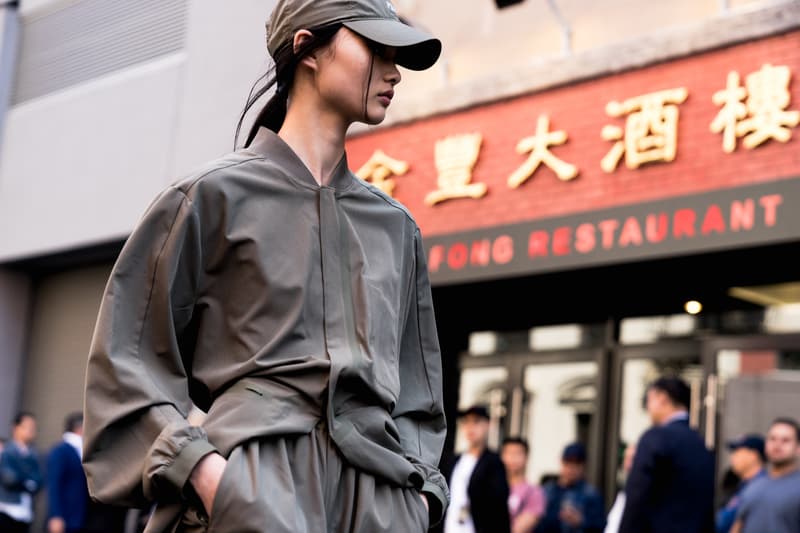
(496, 493)
(640, 483)
(20, 474)
(55, 490)
(138, 444)
(594, 517)
(10, 476)
(419, 412)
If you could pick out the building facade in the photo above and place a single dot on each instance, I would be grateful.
(579, 177)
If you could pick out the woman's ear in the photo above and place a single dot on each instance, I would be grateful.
(301, 38)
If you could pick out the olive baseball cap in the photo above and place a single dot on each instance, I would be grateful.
(377, 20)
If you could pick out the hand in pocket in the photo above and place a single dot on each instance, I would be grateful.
(205, 478)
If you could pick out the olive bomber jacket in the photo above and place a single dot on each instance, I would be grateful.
(271, 302)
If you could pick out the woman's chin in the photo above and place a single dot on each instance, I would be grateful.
(375, 117)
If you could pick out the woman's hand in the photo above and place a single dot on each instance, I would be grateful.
(56, 525)
(425, 501)
(205, 478)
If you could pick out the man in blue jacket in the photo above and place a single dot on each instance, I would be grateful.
(20, 477)
(670, 488)
(747, 462)
(67, 494)
(572, 504)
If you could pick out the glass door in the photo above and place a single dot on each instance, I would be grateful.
(559, 405)
(486, 386)
(549, 398)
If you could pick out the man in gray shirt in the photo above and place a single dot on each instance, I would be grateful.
(772, 504)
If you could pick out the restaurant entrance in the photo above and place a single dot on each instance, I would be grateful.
(559, 384)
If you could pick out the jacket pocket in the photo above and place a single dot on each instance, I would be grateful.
(225, 496)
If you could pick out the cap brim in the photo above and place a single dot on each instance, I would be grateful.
(416, 50)
(462, 414)
(733, 444)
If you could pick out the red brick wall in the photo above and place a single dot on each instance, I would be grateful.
(758, 363)
(700, 165)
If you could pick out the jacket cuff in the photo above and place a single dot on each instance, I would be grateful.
(171, 460)
(177, 474)
(436, 505)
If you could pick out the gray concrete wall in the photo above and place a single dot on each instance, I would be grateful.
(15, 297)
(65, 310)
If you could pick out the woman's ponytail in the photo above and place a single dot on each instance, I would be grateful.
(281, 76)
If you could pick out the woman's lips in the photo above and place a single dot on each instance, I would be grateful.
(386, 97)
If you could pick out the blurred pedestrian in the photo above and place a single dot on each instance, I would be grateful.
(477, 481)
(67, 495)
(747, 462)
(20, 476)
(525, 501)
(572, 504)
(771, 504)
(615, 514)
(290, 301)
(671, 484)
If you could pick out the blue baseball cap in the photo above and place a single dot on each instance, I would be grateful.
(750, 441)
(575, 452)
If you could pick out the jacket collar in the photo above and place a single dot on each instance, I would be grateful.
(681, 417)
(270, 146)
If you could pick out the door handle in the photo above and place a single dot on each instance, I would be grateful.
(496, 412)
(694, 408)
(710, 402)
(515, 428)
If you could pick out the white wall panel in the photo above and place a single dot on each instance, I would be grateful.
(79, 166)
(227, 52)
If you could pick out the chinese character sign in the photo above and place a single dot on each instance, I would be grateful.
(539, 147)
(763, 116)
(651, 129)
(749, 111)
(455, 158)
(378, 169)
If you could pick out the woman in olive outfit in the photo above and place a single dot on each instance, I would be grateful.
(290, 301)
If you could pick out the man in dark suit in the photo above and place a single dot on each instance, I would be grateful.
(70, 509)
(477, 481)
(67, 495)
(671, 484)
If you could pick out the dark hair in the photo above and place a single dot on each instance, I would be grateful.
(73, 421)
(516, 440)
(22, 415)
(786, 421)
(281, 75)
(675, 388)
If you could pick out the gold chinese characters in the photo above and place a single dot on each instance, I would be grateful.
(651, 129)
(763, 116)
(378, 169)
(756, 112)
(455, 158)
(538, 146)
